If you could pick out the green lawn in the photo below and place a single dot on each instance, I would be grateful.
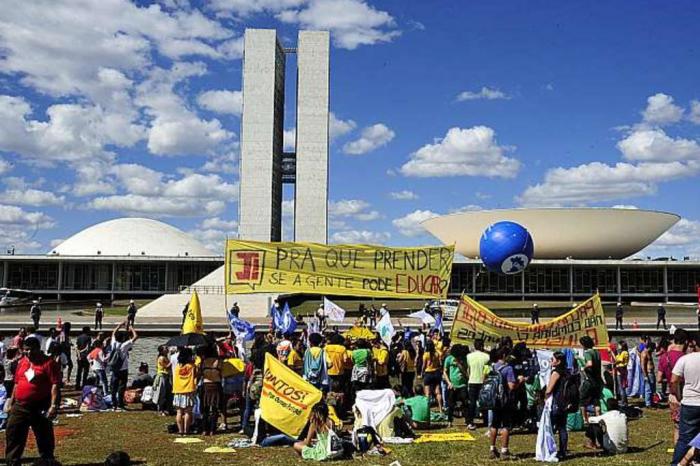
(118, 308)
(88, 440)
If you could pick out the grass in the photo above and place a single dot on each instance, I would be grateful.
(117, 308)
(89, 439)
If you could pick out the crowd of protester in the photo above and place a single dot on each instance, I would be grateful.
(501, 386)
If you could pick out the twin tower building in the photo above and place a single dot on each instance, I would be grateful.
(264, 165)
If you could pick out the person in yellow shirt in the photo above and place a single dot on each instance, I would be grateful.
(432, 372)
(380, 356)
(295, 360)
(406, 360)
(622, 358)
(336, 357)
(184, 389)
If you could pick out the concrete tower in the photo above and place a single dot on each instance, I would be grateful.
(264, 166)
(262, 130)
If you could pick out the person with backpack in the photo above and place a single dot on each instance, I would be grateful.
(496, 396)
(83, 344)
(315, 366)
(592, 385)
(362, 366)
(560, 388)
(118, 364)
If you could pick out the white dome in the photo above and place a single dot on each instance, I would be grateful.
(131, 236)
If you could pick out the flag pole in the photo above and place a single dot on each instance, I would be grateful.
(225, 293)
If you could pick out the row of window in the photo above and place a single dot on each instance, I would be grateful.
(98, 276)
(585, 280)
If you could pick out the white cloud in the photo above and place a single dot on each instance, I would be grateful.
(151, 192)
(245, 8)
(288, 207)
(360, 237)
(371, 138)
(156, 206)
(55, 242)
(625, 206)
(466, 208)
(405, 195)
(486, 93)
(351, 22)
(463, 152)
(596, 181)
(410, 224)
(219, 224)
(175, 129)
(222, 101)
(654, 145)
(58, 47)
(352, 208)
(682, 233)
(661, 110)
(694, 114)
(289, 140)
(338, 128)
(5, 166)
(18, 228)
(31, 197)
(212, 232)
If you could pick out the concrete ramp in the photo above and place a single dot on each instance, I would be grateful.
(212, 300)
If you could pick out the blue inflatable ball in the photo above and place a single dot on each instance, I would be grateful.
(506, 247)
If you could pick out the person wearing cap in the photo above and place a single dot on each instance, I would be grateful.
(130, 314)
(619, 313)
(35, 313)
(99, 314)
(535, 314)
(660, 316)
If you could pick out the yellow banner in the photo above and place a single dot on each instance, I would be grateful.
(473, 321)
(286, 399)
(346, 269)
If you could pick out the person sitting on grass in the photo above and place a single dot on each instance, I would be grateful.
(420, 409)
(184, 389)
(608, 431)
(320, 427)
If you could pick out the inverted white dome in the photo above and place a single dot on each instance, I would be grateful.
(131, 237)
(579, 233)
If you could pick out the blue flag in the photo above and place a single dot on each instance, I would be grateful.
(438, 323)
(243, 329)
(284, 321)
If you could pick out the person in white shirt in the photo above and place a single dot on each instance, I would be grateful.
(3, 349)
(608, 431)
(119, 363)
(686, 374)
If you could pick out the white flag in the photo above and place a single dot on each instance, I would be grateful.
(385, 328)
(544, 359)
(333, 311)
(423, 316)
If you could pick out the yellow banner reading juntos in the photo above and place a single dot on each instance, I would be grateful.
(286, 399)
(474, 321)
(343, 269)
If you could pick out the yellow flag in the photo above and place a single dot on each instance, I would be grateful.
(286, 399)
(193, 318)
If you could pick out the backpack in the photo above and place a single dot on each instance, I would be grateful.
(494, 393)
(116, 359)
(365, 438)
(313, 368)
(568, 396)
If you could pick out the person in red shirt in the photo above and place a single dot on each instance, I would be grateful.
(34, 403)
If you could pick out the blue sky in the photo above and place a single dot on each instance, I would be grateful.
(117, 108)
